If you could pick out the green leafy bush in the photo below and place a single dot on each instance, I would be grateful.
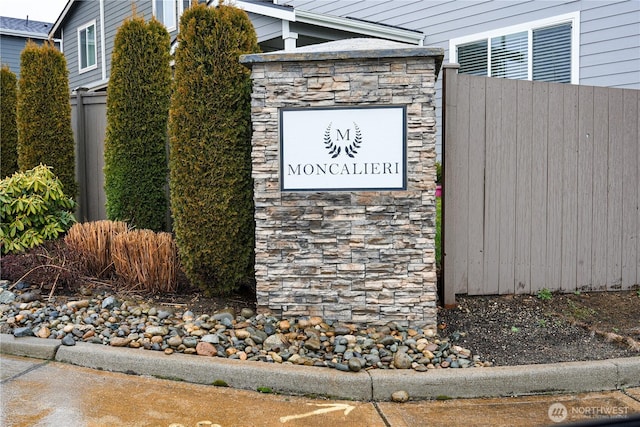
(44, 114)
(8, 126)
(544, 294)
(210, 148)
(137, 114)
(33, 208)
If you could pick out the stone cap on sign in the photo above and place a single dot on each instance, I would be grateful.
(361, 48)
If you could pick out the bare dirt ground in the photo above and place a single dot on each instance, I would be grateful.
(524, 329)
(507, 330)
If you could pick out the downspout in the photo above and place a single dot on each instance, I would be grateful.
(103, 49)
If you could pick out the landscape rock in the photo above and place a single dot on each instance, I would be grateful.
(68, 340)
(206, 349)
(311, 341)
(23, 332)
(402, 360)
(400, 396)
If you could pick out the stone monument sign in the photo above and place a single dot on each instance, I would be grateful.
(344, 181)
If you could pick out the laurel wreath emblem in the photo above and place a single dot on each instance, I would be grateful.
(351, 149)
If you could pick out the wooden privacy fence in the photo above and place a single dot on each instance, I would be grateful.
(89, 121)
(540, 186)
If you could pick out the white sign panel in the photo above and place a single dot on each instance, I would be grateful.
(358, 148)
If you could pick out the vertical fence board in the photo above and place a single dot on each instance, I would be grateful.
(507, 187)
(630, 190)
(451, 148)
(555, 155)
(614, 194)
(95, 134)
(570, 189)
(492, 187)
(539, 186)
(456, 169)
(524, 120)
(461, 216)
(600, 162)
(475, 253)
(585, 186)
(89, 120)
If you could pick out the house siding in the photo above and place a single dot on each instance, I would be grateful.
(11, 48)
(77, 17)
(610, 44)
(115, 14)
(266, 27)
(609, 31)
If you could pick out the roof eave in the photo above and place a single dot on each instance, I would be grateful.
(26, 34)
(58, 22)
(272, 11)
(360, 27)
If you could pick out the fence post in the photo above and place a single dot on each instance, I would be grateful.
(81, 155)
(449, 105)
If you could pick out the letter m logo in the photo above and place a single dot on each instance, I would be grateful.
(340, 136)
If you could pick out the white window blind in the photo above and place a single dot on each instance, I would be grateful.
(509, 56)
(473, 58)
(541, 52)
(552, 54)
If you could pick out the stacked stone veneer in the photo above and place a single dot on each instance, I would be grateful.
(355, 256)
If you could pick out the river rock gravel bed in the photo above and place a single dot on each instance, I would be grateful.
(120, 322)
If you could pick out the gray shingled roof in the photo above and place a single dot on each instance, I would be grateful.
(25, 26)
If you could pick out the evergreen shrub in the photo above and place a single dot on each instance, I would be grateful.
(44, 114)
(210, 148)
(8, 126)
(137, 113)
(33, 208)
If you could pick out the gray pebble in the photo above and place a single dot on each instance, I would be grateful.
(68, 340)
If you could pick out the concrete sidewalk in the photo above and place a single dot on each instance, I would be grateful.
(38, 392)
(376, 385)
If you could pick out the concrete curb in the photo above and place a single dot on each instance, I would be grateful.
(568, 377)
(206, 370)
(36, 348)
(375, 384)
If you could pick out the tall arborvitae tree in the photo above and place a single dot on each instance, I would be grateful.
(8, 125)
(44, 114)
(137, 113)
(210, 148)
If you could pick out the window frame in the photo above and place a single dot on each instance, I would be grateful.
(82, 48)
(176, 4)
(529, 27)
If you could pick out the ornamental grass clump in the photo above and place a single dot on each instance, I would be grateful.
(33, 208)
(147, 261)
(90, 242)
